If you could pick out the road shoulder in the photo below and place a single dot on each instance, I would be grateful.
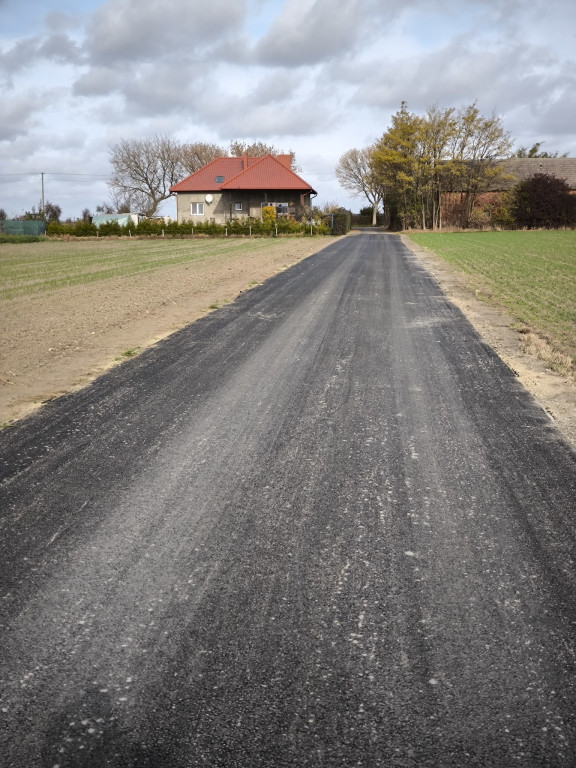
(556, 394)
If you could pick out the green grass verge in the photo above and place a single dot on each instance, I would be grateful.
(530, 275)
(49, 266)
(18, 239)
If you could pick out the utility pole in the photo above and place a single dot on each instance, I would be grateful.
(43, 196)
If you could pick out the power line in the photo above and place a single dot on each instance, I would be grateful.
(57, 173)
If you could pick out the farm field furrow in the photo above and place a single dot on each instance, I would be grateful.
(25, 269)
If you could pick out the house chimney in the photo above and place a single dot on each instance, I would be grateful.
(244, 161)
(285, 160)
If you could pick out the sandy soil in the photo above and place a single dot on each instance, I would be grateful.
(52, 344)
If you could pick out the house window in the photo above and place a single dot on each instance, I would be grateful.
(219, 179)
(237, 206)
(197, 209)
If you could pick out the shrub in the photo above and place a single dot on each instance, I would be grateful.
(110, 228)
(503, 215)
(287, 226)
(543, 201)
(269, 214)
(84, 228)
(342, 221)
(148, 227)
(21, 239)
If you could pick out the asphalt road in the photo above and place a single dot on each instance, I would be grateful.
(323, 526)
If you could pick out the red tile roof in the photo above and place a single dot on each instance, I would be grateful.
(266, 173)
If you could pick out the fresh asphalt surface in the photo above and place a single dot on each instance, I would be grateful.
(323, 526)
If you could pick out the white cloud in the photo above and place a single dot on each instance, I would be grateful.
(310, 32)
(132, 31)
(18, 116)
(310, 75)
(60, 48)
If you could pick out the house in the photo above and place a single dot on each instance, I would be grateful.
(239, 187)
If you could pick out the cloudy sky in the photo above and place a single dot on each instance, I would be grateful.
(315, 76)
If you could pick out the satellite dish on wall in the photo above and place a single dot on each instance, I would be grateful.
(208, 199)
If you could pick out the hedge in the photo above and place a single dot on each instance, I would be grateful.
(238, 228)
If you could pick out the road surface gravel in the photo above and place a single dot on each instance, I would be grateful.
(322, 526)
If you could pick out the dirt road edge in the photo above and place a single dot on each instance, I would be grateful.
(556, 394)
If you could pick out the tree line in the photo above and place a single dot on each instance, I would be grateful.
(447, 158)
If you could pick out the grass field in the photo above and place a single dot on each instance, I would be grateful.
(27, 268)
(530, 275)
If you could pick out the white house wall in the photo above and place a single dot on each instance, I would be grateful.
(213, 210)
(222, 207)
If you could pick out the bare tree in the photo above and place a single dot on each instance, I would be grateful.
(260, 149)
(143, 172)
(105, 208)
(197, 155)
(356, 173)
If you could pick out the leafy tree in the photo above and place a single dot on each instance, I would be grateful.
(356, 172)
(413, 161)
(3, 215)
(543, 201)
(534, 151)
(479, 146)
(420, 157)
(437, 166)
(86, 214)
(395, 160)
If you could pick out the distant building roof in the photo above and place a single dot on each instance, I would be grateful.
(239, 173)
(522, 168)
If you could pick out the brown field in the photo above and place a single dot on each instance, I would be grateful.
(56, 338)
